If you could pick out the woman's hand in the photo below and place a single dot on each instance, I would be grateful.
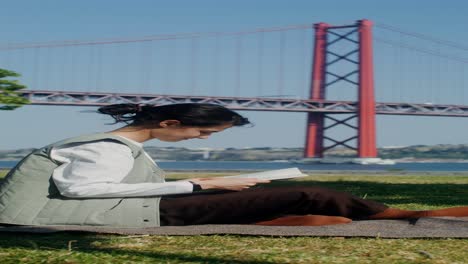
(233, 184)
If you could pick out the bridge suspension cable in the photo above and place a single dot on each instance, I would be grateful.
(423, 36)
(161, 37)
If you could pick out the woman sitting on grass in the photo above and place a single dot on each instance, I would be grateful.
(108, 179)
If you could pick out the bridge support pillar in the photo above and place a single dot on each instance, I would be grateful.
(366, 128)
(315, 121)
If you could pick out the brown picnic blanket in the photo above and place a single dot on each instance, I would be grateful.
(440, 227)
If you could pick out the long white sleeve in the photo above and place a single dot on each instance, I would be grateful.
(97, 169)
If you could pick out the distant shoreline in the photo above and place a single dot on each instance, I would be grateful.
(375, 173)
(399, 160)
(413, 160)
(410, 154)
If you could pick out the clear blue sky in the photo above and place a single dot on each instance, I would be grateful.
(48, 20)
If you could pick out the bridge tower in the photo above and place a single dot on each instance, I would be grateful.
(365, 129)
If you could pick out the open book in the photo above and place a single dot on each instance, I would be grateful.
(273, 174)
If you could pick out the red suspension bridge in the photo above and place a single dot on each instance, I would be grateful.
(259, 70)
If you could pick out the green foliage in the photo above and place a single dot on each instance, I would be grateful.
(9, 97)
(227, 249)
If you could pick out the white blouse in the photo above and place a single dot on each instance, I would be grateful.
(97, 169)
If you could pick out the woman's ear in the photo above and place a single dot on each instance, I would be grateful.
(169, 123)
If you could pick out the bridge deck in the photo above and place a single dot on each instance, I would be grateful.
(241, 103)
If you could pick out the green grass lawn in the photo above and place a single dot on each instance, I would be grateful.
(407, 191)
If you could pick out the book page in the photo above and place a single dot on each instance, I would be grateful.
(288, 173)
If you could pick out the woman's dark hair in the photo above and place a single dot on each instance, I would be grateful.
(189, 114)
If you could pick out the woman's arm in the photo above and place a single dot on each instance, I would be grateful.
(233, 184)
(97, 169)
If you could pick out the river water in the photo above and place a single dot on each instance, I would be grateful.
(254, 165)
